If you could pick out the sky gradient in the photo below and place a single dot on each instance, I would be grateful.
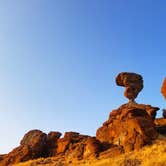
(59, 60)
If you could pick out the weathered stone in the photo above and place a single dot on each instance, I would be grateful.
(32, 146)
(163, 88)
(164, 113)
(160, 125)
(132, 82)
(52, 139)
(130, 126)
(93, 147)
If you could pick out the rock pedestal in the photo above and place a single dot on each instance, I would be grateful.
(130, 126)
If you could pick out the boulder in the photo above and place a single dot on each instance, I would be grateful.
(32, 146)
(130, 126)
(163, 88)
(132, 82)
(52, 139)
(164, 113)
(160, 125)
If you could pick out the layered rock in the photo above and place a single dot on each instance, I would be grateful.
(130, 126)
(132, 82)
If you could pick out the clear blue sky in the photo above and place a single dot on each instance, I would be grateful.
(59, 59)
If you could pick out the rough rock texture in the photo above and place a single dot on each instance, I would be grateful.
(130, 126)
(132, 82)
(31, 147)
(163, 88)
(161, 125)
(76, 147)
(52, 139)
(35, 144)
(164, 113)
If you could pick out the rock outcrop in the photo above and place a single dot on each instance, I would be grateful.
(36, 144)
(161, 125)
(132, 82)
(129, 126)
(163, 88)
(31, 147)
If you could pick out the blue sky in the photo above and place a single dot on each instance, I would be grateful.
(59, 59)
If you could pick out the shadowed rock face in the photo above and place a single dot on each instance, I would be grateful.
(164, 113)
(132, 82)
(163, 88)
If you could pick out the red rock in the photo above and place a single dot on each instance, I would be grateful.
(52, 139)
(93, 147)
(163, 88)
(130, 126)
(160, 125)
(164, 113)
(32, 146)
(132, 82)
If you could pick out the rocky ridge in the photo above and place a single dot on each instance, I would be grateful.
(128, 128)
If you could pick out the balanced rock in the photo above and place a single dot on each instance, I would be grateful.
(132, 82)
(163, 88)
(130, 126)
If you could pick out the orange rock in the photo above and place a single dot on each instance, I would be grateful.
(163, 88)
(161, 125)
(130, 126)
(132, 82)
(32, 146)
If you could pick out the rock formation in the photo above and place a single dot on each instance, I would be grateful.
(129, 126)
(160, 125)
(164, 113)
(36, 144)
(163, 88)
(132, 82)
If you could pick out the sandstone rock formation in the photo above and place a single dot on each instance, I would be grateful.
(36, 144)
(164, 113)
(132, 82)
(163, 88)
(52, 139)
(161, 125)
(130, 126)
(31, 147)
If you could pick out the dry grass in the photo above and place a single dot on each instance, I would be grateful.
(152, 155)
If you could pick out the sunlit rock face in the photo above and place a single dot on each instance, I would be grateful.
(163, 88)
(132, 82)
(129, 126)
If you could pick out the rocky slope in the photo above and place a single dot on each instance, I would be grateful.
(151, 155)
(129, 128)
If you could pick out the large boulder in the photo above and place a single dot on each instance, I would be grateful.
(132, 82)
(32, 146)
(163, 88)
(130, 126)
